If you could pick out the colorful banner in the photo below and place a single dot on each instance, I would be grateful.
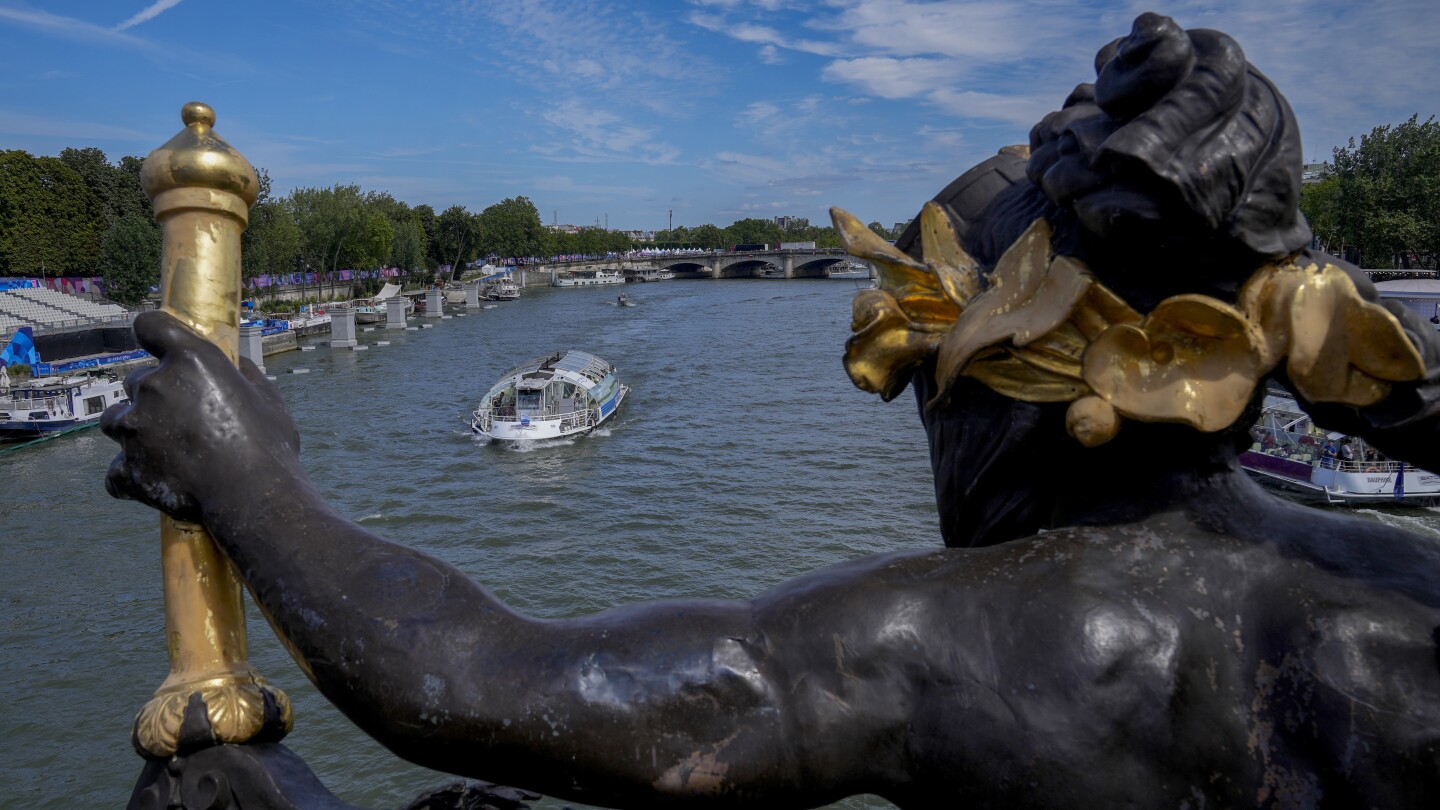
(21, 350)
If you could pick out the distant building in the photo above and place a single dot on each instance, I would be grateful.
(563, 228)
(784, 223)
(1311, 172)
(900, 227)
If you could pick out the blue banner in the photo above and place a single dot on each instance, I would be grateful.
(21, 349)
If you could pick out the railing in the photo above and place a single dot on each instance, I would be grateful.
(568, 421)
(71, 324)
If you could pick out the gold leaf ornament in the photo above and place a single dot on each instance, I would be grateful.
(1344, 349)
(896, 327)
(1041, 328)
(1193, 360)
(885, 346)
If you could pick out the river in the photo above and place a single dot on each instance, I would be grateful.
(743, 457)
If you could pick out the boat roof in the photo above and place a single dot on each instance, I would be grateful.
(571, 365)
(1409, 288)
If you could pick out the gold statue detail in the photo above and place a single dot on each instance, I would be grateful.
(1042, 328)
(202, 190)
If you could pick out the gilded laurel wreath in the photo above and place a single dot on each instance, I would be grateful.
(1041, 328)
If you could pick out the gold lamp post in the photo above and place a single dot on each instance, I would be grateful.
(202, 190)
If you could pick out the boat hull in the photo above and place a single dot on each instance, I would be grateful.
(543, 429)
(1319, 485)
(12, 431)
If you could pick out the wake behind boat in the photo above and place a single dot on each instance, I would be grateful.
(565, 394)
(1294, 456)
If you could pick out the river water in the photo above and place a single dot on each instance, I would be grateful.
(742, 457)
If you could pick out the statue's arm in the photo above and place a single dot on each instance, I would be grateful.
(783, 697)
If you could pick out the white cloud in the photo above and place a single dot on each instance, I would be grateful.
(13, 122)
(148, 13)
(888, 77)
(593, 134)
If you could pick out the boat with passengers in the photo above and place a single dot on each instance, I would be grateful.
(1291, 454)
(563, 394)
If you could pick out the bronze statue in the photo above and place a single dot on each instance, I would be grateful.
(1115, 626)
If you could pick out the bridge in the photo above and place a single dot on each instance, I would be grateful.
(804, 263)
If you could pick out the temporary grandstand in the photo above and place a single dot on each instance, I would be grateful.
(48, 310)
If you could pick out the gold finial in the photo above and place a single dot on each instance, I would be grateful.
(202, 190)
(198, 112)
(197, 160)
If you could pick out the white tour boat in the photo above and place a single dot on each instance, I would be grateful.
(503, 288)
(564, 394)
(585, 278)
(1291, 454)
(32, 408)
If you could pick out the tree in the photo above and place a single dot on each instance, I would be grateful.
(370, 243)
(130, 259)
(326, 217)
(1384, 208)
(116, 190)
(407, 251)
(457, 236)
(753, 231)
(511, 227)
(408, 239)
(47, 217)
(272, 242)
(425, 215)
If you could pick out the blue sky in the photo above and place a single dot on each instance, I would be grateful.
(619, 112)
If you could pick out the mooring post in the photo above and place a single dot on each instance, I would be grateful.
(395, 312)
(342, 327)
(252, 344)
(434, 302)
(202, 190)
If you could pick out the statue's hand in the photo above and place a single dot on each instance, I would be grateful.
(198, 434)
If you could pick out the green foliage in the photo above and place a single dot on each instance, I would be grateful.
(1379, 202)
(590, 241)
(19, 371)
(116, 189)
(511, 227)
(272, 242)
(457, 234)
(746, 231)
(130, 259)
(48, 217)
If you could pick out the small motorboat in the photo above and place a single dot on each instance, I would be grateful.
(1292, 455)
(564, 394)
(503, 288)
